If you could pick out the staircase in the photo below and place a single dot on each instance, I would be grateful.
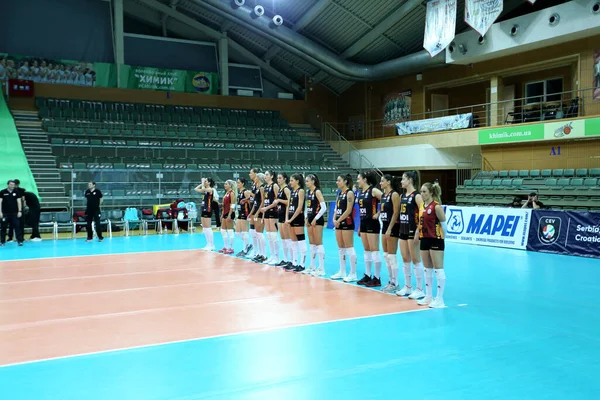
(41, 161)
(314, 138)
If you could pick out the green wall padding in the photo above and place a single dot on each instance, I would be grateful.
(13, 163)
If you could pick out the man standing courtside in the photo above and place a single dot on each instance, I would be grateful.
(10, 212)
(92, 211)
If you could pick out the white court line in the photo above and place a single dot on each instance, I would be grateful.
(56, 296)
(251, 331)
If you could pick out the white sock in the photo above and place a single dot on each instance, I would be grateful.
(376, 256)
(208, 233)
(313, 256)
(289, 249)
(386, 260)
(274, 246)
(246, 237)
(407, 274)
(352, 254)
(224, 236)
(286, 253)
(262, 244)
(393, 265)
(419, 274)
(368, 263)
(295, 254)
(302, 249)
(342, 253)
(253, 239)
(440, 275)
(321, 253)
(428, 281)
(231, 234)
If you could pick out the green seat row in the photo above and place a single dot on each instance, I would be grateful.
(548, 173)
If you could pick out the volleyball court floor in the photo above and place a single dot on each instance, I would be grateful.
(153, 317)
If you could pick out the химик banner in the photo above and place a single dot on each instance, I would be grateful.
(448, 123)
(487, 226)
(168, 79)
(565, 232)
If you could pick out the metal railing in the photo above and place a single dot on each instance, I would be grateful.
(468, 169)
(344, 148)
(568, 104)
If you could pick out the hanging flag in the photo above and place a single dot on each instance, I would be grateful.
(481, 14)
(440, 25)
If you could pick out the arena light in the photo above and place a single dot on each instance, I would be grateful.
(277, 21)
(237, 3)
(258, 11)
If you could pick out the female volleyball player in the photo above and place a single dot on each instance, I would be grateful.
(269, 212)
(370, 229)
(284, 230)
(343, 221)
(410, 202)
(255, 216)
(295, 219)
(315, 210)
(430, 231)
(228, 217)
(390, 218)
(241, 223)
(206, 189)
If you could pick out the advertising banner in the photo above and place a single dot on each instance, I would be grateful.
(451, 122)
(560, 130)
(168, 80)
(565, 232)
(440, 25)
(596, 77)
(487, 226)
(481, 14)
(397, 107)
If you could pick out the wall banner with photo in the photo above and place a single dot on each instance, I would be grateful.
(68, 72)
(440, 25)
(397, 107)
(596, 77)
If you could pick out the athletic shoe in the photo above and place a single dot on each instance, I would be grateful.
(319, 272)
(375, 282)
(437, 303)
(405, 291)
(20, 243)
(88, 240)
(299, 269)
(101, 239)
(337, 276)
(241, 254)
(425, 301)
(36, 239)
(390, 288)
(350, 278)
(229, 251)
(205, 248)
(289, 266)
(282, 263)
(365, 279)
(223, 250)
(417, 294)
(308, 271)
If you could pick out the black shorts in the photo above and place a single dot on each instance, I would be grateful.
(298, 221)
(271, 214)
(432, 244)
(370, 226)
(230, 216)
(320, 221)
(206, 214)
(242, 217)
(344, 226)
(407, 236)
(281, 217)
(395, 229)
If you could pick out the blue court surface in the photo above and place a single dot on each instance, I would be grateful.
(518, 325)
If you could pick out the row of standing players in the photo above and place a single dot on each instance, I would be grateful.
(408, 219)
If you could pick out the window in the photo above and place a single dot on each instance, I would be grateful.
(544, 91)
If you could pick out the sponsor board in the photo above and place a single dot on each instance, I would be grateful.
(565, 232)
(487, 226)
(564, 129)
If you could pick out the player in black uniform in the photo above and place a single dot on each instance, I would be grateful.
(243, 209)
(343, 221)
(284, 230)
(269, 212)
(370, 228)
(295, 219)
(390, 218)
(255, 216)
(315, 210)
(409, 216)
(207, 191)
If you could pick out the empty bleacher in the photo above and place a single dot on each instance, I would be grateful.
(568, 189)
(123, 146)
